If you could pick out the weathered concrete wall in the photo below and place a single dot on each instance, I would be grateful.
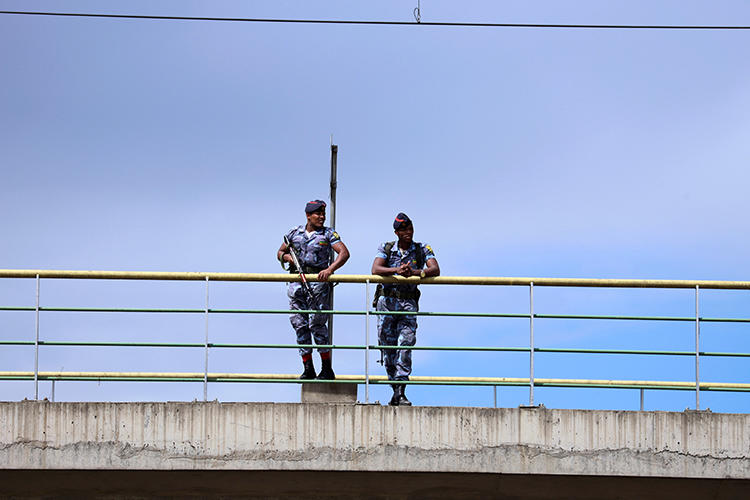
(327, 437)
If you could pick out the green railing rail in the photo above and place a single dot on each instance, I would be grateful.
(366, 378)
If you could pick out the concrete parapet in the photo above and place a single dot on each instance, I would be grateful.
(323, 392)
(372, 438)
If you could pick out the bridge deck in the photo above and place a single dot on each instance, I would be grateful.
(482, 448)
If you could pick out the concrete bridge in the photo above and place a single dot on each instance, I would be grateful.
(272, 450)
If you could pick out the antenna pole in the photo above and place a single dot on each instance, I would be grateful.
(334, 154)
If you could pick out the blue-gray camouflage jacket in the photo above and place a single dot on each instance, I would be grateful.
(315, 251)
(395, 257)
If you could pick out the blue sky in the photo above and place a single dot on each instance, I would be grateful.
(193, 146)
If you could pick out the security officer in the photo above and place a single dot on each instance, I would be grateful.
(313, 243)
(407, 258)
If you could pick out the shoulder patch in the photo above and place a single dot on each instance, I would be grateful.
(336, 236)
(428, 248)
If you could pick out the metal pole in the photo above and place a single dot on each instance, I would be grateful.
(36, 345)
(334, 166)
(641, 399)
(205, 364)
(367, 341)
(494, 389)
(697, 352)
(334, 154)
(531, 343)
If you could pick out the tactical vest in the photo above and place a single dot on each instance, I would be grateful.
(420, 252)
(404, 295)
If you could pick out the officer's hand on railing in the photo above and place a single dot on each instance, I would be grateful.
(324, 274)
(404, 270)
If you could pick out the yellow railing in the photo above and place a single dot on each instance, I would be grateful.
(366, 378)
(362, 278)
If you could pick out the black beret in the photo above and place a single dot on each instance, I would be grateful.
(401, 220)
(314, 205)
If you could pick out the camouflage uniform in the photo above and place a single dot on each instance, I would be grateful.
(315, 254)
(399, 329)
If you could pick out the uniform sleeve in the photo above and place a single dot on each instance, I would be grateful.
(290, 233)
(332, 236)
(428, 253)
(381, 252)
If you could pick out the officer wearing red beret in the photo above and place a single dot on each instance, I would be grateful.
(314, 244)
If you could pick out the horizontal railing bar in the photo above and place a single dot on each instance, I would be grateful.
(258, 346)
(261, 311)
(640, 318)
(614, 317)
(725, 320)
(121, 309)
(383, 347)
(637, 352)
(637, 386)
(362, 278)
(377, 379)
(382, 313)
(284, 311)
(118, 344)
(455, 314)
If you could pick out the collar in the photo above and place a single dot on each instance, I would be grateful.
(398, 248)
(303, 229)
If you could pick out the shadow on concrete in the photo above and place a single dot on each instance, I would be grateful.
(131, 484)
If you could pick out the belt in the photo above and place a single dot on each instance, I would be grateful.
(306, 269)
(402, 295)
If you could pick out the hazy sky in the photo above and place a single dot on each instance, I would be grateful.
(193, 146)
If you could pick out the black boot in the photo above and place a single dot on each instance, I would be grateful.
(309, 372)
(394, 398)
(402, 401)
(326, 373)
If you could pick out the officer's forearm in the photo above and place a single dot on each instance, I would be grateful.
(384, 271)
(340, 261)
(432, 270)
(427, 272)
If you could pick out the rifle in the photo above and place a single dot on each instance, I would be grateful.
(298, 266)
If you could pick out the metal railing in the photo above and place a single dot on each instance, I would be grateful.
(531, 381)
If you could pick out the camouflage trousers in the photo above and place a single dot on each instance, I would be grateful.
(397, 330)
(310, 326)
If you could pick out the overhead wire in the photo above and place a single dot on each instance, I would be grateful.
(382, 23)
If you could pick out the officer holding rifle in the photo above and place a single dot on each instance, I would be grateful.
(312, 245)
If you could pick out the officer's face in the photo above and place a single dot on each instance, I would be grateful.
(405, 233)
(317, 218)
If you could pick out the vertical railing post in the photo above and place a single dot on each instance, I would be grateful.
(205, 363)
(697, 352)
(367, 341)
(531, 343)
(641, 399)
(494, 390)
(36, 345)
